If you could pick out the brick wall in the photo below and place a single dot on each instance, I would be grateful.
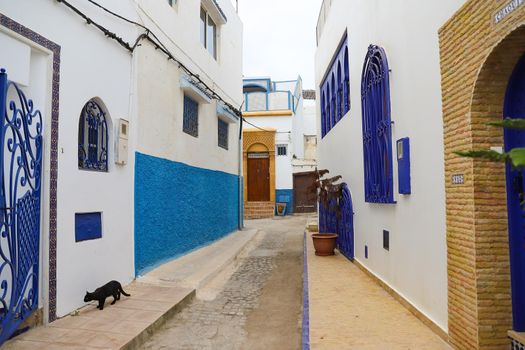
(477, 59)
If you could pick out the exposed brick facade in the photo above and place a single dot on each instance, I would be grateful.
(477, 59)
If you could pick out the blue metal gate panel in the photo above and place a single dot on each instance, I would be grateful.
(342, 222)
(20, 174)
(515, 108)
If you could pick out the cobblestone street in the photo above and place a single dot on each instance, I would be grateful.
(259, 305)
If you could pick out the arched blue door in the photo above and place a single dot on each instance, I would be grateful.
(345, 225)
(515, 108)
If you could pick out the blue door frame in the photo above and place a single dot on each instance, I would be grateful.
(515, 108)
(21, 140)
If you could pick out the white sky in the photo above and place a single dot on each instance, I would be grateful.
(279, 38)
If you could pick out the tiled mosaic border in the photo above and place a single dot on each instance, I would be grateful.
(55, 48)
(306, 302)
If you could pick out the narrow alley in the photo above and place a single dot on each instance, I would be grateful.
(260, 305)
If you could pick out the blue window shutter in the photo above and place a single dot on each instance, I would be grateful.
(88, 226)
(377, 133)
(403, 167)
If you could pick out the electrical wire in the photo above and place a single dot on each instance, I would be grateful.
(153, 39)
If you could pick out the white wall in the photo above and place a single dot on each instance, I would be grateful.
(415, 266)
(91, 66)
(160, 101)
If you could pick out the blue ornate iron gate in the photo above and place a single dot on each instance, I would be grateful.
(20, 174)
(342, 224)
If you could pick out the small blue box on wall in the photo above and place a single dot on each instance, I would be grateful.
(88, 226)
(403, 165)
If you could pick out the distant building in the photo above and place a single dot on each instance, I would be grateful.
(134, 157)
(278, 130)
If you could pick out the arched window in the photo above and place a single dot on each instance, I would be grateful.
(333, 101)
(377, 134)
(328, 109)
(340, 107)
(346, 82)
(93, 138)
(323, 114)
(336, 87)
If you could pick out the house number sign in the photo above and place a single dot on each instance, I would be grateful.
(458, 179)
(507, 10)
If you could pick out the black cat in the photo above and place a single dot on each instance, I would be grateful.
(112, 288)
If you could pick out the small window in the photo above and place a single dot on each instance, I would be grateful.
(208, 33)
(93, 138)
(282, 150)
(222, 128)
(190, 123)
(172, 2)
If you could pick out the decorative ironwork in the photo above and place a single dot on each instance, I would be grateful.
(345, 224)
(335, 89)
(20, 181)
(93, 138)
(377, 134)
(516, 345)
(222, 127)
(338, 217)
(190, 123)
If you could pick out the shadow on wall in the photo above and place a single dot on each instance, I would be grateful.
(179, 208)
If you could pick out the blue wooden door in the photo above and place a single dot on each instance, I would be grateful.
(515, 108)
(20, 173)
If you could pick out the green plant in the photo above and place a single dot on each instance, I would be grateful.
(515, 157)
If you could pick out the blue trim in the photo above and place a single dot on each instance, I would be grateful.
(515, 108)
(403, 165)
(377, 133)
(285, 196)
(306, 300)
(179, 208)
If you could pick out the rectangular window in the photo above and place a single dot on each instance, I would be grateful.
(88, 226)
(222, 128)
(282, 150)
(190, 124)
(203, 27)
(208, 33)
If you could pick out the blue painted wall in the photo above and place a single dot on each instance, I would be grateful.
(284, 196)
(179, 208)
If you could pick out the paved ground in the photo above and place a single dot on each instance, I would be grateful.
(259, 306)
(350, 311)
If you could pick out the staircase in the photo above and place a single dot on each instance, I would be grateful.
(259, 210)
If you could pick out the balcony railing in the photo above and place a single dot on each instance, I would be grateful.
(269, 101)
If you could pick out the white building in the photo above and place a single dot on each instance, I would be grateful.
(137, 126)
(381, 128)
(276, 132)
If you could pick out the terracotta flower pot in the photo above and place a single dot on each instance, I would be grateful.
(324, 243)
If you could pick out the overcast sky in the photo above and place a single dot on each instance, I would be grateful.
(279, 38)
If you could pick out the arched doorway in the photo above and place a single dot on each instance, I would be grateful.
(514, 108)
(258, 174)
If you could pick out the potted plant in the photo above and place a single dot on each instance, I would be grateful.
(328, 193)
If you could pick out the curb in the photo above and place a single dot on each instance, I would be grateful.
(306, 301)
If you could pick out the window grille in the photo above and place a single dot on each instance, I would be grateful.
(222, 127)
(377, 133)
(93, 138)
(335, 90)
(190, 123)
(282, 150)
